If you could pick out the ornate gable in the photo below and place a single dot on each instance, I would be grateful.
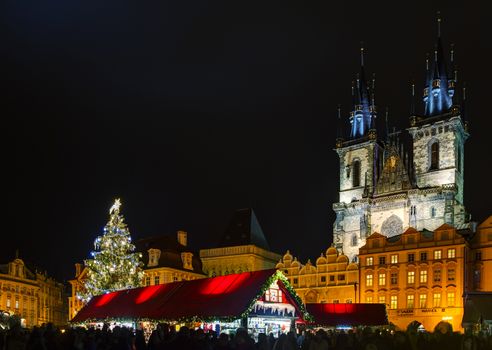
(394, 176)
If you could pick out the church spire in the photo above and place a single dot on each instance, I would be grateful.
(339, 140)
(362, 114)
(439, 90)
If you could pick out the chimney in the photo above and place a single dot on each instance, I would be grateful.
(183, 238)
(78, 269)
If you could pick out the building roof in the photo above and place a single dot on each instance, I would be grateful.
(348, 314)
(171, 251)
(222, 297)
(244, 229)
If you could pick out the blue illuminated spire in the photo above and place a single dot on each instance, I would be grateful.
(439, 88)
(364, 109)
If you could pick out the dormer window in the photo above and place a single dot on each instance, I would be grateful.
(154, 256)
(187, 259)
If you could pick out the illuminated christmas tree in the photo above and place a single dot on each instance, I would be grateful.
(115, 264)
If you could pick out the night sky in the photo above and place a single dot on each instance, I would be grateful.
(188, 110)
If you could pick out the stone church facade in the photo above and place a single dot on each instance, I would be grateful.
(390, 181)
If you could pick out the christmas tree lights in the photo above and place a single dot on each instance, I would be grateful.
(115, 264)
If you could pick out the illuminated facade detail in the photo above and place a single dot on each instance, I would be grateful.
(242, 248)
(31, 295)
(422, 283)
(480, 258)
(331, 279)
(399, 179)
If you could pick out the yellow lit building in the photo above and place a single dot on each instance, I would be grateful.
(480, 261)
(166, 259)
(332, 280)
(243, 248)
(33, 296)
(418, 275)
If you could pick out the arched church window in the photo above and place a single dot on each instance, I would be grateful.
(356, 173)
(434, 156)
(433, 212)
(354, 240)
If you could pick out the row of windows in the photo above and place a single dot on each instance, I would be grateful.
(422, 301)
(340, 277)
(451, 253)
(422, 278)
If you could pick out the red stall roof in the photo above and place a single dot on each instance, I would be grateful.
(222, 297)
(348, 314)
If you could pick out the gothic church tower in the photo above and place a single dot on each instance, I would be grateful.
(411, 178)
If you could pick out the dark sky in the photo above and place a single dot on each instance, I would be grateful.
(188, 110)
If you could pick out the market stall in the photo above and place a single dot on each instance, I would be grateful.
(262, 301)
(348, 315)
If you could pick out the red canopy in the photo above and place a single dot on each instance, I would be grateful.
(217, 297)
(348, 314)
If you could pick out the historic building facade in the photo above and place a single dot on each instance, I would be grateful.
(390, 181)
(333, 279)
(419, 275)
(32, 295)
(480, 258)
(243, 247)
(166, 259)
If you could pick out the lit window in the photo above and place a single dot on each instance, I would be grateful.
(437, 275)
(348, 301)
(436, 300)
(16, 304)
(147, 281)
(451, 299)
(411, 257)
(437, 254)
(8, 302)
(423, 301)
(452, 253)
(451, 274)
(369, 280)
(411, 277)
(382, 299)
(382, 260)
(410, 301)
(369, 299)
(423, 276)
(394, 278)
(394, 302)
(394, 259)
(369, 261)
(382, 279)
(273, 295)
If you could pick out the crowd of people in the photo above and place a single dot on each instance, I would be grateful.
(165, 337)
